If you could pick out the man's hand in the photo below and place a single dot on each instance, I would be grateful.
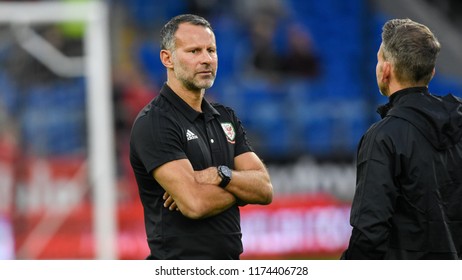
(169, 202)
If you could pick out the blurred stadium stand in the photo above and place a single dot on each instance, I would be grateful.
(322, 116)
(305, 128)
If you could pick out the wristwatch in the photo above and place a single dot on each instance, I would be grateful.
(225, 174)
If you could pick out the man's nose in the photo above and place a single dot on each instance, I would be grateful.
(206, 57)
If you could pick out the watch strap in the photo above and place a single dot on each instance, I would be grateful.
(225, 178)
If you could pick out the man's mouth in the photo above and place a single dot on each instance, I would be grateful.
(205, 73)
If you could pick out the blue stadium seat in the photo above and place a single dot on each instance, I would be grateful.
(8, 94)
(54, 121)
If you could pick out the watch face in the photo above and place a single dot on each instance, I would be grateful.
(225, 171)
(225, 174)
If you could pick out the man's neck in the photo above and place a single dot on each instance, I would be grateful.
(395, 87)
(192, 98)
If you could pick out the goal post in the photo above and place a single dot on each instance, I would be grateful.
(96, 71)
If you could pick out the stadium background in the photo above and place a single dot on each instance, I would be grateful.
(305, 97)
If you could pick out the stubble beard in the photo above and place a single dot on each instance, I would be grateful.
(196, 84)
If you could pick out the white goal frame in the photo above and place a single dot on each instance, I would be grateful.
(96, 70)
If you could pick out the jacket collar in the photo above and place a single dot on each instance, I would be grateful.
(393, 99)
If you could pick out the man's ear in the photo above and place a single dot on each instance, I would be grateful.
(166, 58)
(386, 72)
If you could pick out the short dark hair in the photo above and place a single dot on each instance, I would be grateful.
(412, 48)
(167, 33)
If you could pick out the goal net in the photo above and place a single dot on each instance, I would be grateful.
(57, 156)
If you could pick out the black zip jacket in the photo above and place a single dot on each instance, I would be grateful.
(408, 199)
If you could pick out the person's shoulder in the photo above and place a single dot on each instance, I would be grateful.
(227, 114)
(157, 113)
(387, 128)
(222, 108)
(157, 106)
(217, 105)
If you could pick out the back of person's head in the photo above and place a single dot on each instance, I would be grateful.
(412, 48)
(167, 33)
